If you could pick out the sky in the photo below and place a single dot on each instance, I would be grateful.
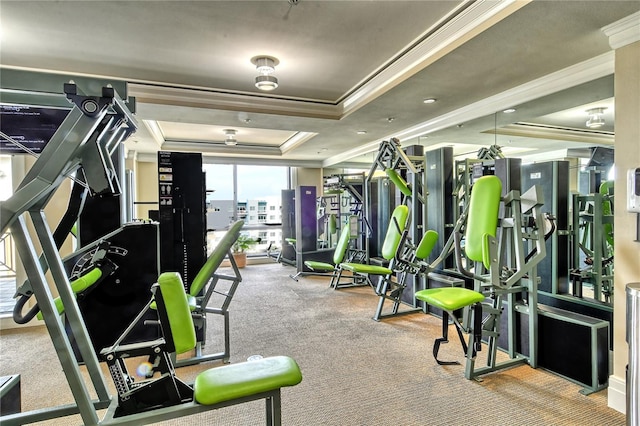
(254, 182)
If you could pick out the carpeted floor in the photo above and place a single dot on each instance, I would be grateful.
(356, 371)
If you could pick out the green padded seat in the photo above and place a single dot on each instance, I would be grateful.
(449, 298)
(191, 300)
(319, 266)
(362, 268)
(235, 381)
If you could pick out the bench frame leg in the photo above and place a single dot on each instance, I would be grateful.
(274, 409)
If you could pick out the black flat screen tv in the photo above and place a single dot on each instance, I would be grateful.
(31, 126)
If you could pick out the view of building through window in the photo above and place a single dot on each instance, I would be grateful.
(249, 193)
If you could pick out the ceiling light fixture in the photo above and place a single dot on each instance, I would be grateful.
(429, 100)
(509, 110)
(266, 65)
(595, 120)
(361, 132)
(230, 137)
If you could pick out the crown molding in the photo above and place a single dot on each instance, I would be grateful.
(199, 98)
(448, 34)
(585, 71)
(296, 140)
(624, 31)
(220, 148)
(532, 130)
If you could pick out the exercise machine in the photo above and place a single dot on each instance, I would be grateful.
(592, 262)
(406, 172)
(504, 240)
(343, 252)
(81, 144)
(165, 395)
(76, 144)
(211, 286)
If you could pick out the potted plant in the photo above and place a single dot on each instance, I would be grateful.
(239, 248)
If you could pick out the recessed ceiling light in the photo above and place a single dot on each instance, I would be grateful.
(362, 132)
(429, 100)
(509, 110)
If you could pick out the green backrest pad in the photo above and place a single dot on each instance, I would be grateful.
(398, 181)
(178, 312)
(428, 241)
(394, 235)
(215, 259)
(482, 219)
(341, 247)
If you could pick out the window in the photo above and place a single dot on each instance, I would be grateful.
(245, 193)
(8, 257)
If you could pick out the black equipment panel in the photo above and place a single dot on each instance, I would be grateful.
(111, 306)
(288, 253)
(181, 184)
(441, 205)
(102, 214)
(553, 177)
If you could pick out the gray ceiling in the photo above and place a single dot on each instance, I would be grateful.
(344, 66)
